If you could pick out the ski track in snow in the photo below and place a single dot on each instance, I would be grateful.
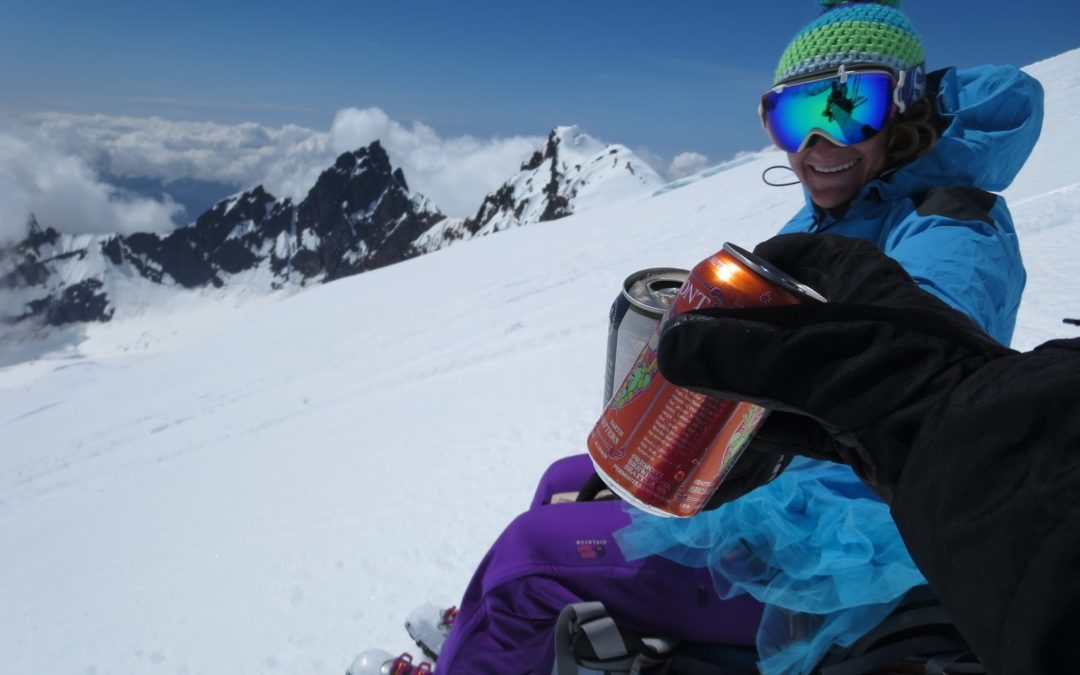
(270, 484)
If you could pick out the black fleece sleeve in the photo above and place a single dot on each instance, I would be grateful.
(975, 446)
(989, 506)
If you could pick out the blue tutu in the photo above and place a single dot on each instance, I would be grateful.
(815, 546)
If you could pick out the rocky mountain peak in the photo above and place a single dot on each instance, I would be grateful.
(359, 215)
(570, 171)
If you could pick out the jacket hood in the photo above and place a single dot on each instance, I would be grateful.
(993, 117)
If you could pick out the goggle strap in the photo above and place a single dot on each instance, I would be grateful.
(912, 85)
(897, 97)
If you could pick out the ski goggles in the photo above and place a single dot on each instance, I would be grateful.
(845, 108)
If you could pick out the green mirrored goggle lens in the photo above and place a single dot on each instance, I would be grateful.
(848, 110)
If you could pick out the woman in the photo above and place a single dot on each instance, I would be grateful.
(884, 153)
(815, 546)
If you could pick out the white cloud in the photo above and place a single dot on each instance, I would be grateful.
(61, 190)
(686, 164)
(58, 159)
(14, 206)
(455, 173)
(170, 150)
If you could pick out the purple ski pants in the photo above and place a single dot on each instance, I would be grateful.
(557, 554)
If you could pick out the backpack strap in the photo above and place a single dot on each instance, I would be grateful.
(918, 632)
(586, 636)
(958, 202)
(594, 489)
(960, 662)
(895, 652)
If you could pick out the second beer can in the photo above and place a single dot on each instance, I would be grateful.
(664, 448)
(634, 316)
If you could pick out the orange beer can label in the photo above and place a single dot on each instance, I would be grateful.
(664, 448)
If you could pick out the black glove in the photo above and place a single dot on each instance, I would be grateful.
(780, 438)
(976, 447)
(849, 380)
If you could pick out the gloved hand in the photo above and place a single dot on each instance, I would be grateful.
(780, 438)
(849, 380)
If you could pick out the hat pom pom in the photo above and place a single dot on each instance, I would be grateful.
(826, 5)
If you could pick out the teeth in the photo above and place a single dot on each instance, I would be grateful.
(835, 169)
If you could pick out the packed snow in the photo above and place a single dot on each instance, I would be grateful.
(270, 484)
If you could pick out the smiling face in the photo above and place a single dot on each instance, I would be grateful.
(833, 175)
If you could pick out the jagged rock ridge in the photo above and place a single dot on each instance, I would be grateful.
(570, 173)
(359, 215)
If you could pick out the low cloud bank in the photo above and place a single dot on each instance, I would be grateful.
(52, 165)
(62, 190)
(687, 164)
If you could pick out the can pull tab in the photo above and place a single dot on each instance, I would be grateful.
(665, 289)
(766, 270)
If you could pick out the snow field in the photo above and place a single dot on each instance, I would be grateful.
(271, 485)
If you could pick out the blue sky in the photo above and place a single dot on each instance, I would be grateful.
(672, 77)
(123, 116)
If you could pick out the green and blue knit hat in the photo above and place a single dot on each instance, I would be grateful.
(853, 33)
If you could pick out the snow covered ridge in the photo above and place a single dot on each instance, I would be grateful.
(360, 215)
(571, 173)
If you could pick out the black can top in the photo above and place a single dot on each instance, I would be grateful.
(651, 291)
(777, 276)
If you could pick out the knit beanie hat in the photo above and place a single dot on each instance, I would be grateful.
(853, 33)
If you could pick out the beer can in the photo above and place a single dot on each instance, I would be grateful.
(634, 316)
(666, 449)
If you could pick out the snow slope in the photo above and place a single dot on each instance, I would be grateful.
(270, 486)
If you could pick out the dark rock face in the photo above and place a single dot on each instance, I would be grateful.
(81, 302)
(361, 215)
(196, 255)
(557, 205)
(21, 263)
(358, 216)
(506, 200)
(499, 201)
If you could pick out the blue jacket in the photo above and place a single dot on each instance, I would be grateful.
(958, 242)
(932, 216)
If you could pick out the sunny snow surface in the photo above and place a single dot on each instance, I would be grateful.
(270, 485)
